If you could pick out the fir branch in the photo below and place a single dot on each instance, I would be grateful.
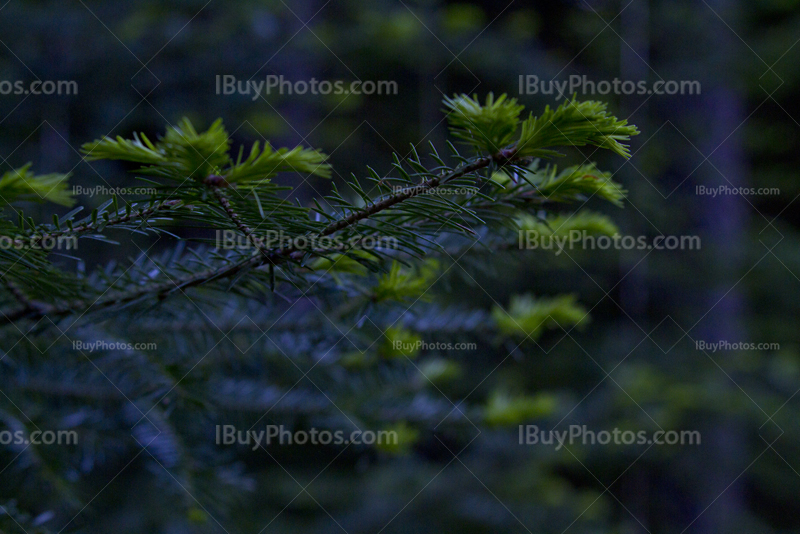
(409, 215)
(98, 225)
(412, 192)
(161, 291)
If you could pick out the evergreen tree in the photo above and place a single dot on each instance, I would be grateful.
(265, 308)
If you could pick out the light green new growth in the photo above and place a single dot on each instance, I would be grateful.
(504, 409)
(492, 127)
(404, 283)
(399, 343)
(530, 317)
(563, 225)
(577, 182)
(184, 153)
(574, 123)
(488, 127)
(20, 185)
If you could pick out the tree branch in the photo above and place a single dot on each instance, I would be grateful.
(89, 227)
(276, 257)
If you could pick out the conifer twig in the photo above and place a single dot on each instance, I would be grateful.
(234, 217)
(142, 214)
(162, 290)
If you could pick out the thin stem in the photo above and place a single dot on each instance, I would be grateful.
(406, 194)
(89, 227)
(234, 217)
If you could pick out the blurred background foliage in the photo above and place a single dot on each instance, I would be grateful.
(634, 366)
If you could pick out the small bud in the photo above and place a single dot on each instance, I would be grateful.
(215, 180)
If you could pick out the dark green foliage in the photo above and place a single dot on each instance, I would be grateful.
(205, 307)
